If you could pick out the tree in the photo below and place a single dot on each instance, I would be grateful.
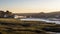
(8, 14)
(1, 14)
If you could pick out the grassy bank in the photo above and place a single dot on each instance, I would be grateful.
(15, 26)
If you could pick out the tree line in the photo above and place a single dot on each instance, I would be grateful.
(6, 14)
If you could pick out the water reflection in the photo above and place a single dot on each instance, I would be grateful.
(38, 19)
(45, 20)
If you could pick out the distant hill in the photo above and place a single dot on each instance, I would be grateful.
(25, 14)
(41, 15)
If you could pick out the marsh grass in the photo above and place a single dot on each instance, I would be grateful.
(16, 26)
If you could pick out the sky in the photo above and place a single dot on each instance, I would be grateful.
(30, 6)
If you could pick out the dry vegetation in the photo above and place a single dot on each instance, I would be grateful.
(15, 26)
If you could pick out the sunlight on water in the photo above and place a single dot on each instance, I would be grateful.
(38, 19)
(45, 20)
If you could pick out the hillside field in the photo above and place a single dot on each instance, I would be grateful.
(16, 26)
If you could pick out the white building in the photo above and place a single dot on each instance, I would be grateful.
(16, 16)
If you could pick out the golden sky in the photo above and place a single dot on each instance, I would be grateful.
(30, 6)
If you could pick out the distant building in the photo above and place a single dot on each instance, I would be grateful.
(17, 16)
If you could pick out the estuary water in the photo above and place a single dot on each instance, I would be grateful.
(45, 20)
(39, 19)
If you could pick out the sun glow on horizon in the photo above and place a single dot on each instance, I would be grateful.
(30, 6)
(19, 10)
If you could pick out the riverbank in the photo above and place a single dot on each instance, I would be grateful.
(16, 26)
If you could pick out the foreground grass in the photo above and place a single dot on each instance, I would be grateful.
(15, 26)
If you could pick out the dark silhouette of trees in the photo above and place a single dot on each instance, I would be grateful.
(2, 14)
(6, 14)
